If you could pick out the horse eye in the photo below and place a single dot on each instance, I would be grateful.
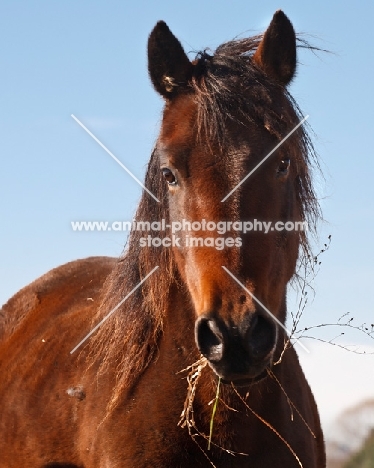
(169, 176)
(284, 166)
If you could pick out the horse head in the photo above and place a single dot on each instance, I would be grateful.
(224, 114)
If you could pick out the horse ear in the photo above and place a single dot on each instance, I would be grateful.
(168, 65)
(276, 53)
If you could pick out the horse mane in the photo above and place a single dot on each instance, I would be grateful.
(228, 87)
(129, 339)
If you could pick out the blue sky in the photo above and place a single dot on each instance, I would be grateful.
(89, 58)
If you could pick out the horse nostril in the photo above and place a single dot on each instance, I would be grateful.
(209, 339)
(261, 336)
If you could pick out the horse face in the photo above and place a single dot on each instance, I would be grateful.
(234, 332)
(235, 327)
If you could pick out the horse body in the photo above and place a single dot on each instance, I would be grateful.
(43, 425)
(117, 401)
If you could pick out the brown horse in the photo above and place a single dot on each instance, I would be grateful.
(190, 328)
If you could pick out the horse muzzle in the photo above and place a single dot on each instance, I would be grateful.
(237, 353)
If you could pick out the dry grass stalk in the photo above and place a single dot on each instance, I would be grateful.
(187, 416)
(290, 403)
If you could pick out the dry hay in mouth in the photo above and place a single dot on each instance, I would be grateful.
(193, 376)
(187, 416)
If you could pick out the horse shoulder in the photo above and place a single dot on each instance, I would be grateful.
(41, 380)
